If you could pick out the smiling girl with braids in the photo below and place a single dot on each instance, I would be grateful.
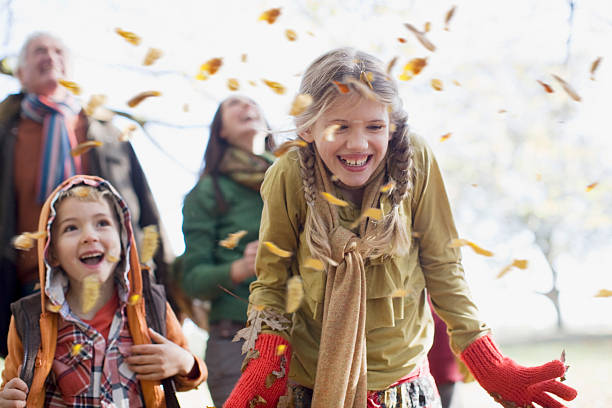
(362, 332)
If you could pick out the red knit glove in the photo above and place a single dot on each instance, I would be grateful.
(512, 385)
(252, 384)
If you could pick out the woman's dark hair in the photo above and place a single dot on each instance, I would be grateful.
(215, 149)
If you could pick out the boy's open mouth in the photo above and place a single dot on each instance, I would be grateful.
(355, 161)
(92, 259)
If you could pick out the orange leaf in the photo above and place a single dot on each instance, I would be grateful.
(232, 84)
(270, 15)
(546, 87)
(275, 86)
(128, 36)
(85, 146)
(591, 186)
(211, 66)
(153, 54)
(412, 68)
(402, 40)
(437, 84)
(290, 34)
(387, 187)
(286, 146)
(445, 136)
(342, 87)
(232, 239)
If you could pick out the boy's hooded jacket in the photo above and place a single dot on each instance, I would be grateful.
(129, 286)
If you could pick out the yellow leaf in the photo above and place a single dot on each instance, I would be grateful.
(94, 102)
(134, 101)
(127, 133)
(75, 349)
(270, 15)
(210, 67)
(517, 263)
(259, 308)
(300, 103)
(232, 84)
(437, 84)
(128, 36)
(111, 258)
(591, 186)
(276, 250)
(275, 86)
(150, 242)
(290, 34)
(315, 264)
(286, 146)
(252, 83)
(84, 147)
(295, 294)
(445, 136)
(397, 293)
(413, 68)
(52, 308)
(374, 213)
(458, 242)
(243, 57)
(81, 191)
(427, 27)
(23, 242)
(604, 293)
(91, 292)
(280, 349)
(333, 200)
(232, 239)
(134, 299)
(421, 37)
(329, 133)
(71, 86)
(153, 54)
(388, 187)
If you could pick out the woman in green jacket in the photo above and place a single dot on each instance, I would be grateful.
(226, 201)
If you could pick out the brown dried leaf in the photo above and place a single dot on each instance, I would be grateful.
(153, 54)
(134, 101)
(274, 375)
(594, 67)
(295, 294)
(568, 88)
(449, 16)
(421, 37)
(363, 89)
(300, 104)
(401, 40)
(250, 355)
(84, 147)
(232, 239)
(391, 64)
(258, 399)
(286, 146)
(270, 15)
(546, 87)
(243, 57)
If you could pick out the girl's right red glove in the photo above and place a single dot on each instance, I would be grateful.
(265, 376)
(512, 385)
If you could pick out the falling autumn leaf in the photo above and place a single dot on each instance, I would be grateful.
(315, 264)
(284, 148)
(233, 84)
(252, 83)
(501, 111)
(259, 315)
(374, 213)
(95, 101)
(81, 191)
(517, 263)
(280, 349)
(399, 293)
(329, 133)
(232, 239)
(295, 294)
(150, 242)
(111, 258)
(344, 89)
(604, 293)
(333, 200)
(208, 68)
(290, 34)
(52, 307)
(300, 103)
(591, 186)
(133, 299)
(25, 241)
(270, 15)
(276, 250)
(594, 67)
(153, 54)
(90, 293)
(71, 86)
(421, 37)
(126, 134)
(391, 64)
(456, 83)
(437, 84)
(81, 148)
(413, 68)
(275, 86)
(75, 349)
(459, 242)
(128, 36)
(449, 16)
(568, 88)
(362, 88)
(445, 136)
(546, 87)
(243, 57)
(134, 101)
(388, 187)
(427, 27)
(401, 40)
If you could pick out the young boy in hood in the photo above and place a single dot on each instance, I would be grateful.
(96, 348)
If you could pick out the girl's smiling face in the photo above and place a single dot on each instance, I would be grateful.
(360, 139)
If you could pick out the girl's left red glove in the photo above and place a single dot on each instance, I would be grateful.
(512, 385)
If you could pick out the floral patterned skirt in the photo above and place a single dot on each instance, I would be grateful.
(418, 393)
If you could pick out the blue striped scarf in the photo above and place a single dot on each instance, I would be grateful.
(58, 119)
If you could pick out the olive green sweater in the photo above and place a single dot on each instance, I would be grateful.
(399, 329)
(206, 263)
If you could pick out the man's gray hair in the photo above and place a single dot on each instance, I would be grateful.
(34, 36)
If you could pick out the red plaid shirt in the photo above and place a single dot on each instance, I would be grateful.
(96, 374)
